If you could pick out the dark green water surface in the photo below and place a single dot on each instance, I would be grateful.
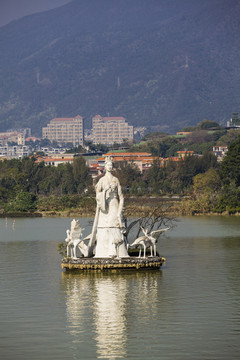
(190, 309)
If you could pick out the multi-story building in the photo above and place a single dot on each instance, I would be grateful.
(65, 130)
(25, 131)
(220, 152)
(110, 130)
(12, 137)
(234, 122)
(14, 152)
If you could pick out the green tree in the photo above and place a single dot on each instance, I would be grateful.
(208, 124)
(229, 199)
(128, 174)
(198, 137)
(230, 166)
(67, 183)
(49, 180)
(23, 202)
(208, 183)
(155, 177)
(81, 175)
(229, 137)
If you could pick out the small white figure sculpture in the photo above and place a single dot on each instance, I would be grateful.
(108, 225)
(147, 241)
(75, 241)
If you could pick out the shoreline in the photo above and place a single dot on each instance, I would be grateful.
(74, 213)
(174, 206)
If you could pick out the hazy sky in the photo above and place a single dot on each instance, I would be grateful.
(15, 9)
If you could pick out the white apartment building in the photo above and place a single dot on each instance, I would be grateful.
(65, 130)
(110, 130)
(14, 152)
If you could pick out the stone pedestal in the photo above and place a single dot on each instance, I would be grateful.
(102, 264)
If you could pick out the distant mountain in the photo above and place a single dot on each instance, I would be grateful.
(163, 63)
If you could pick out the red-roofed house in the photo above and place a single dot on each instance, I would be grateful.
(182, 154)
(96, 170)
(55, 160)
(32, 138)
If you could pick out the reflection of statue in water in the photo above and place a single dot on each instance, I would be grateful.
(106, 305)
(108, 227)
(110, 308)
(98, 303)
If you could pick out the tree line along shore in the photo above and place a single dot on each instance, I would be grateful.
(194, 185)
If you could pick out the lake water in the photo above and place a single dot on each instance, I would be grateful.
(190, 309)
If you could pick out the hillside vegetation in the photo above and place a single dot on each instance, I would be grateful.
(158, 63)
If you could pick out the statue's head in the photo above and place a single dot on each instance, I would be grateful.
(108, 163)
(76, 229)
(75, 224)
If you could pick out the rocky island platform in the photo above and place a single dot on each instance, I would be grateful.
(127, 263)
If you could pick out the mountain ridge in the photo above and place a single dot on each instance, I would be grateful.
(157, 63)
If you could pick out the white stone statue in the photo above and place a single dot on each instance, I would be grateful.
(75, 241)
(147, 241)
(108, 227)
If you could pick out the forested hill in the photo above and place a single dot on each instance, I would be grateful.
(157, 62)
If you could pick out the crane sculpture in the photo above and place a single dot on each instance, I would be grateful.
(148, 241)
